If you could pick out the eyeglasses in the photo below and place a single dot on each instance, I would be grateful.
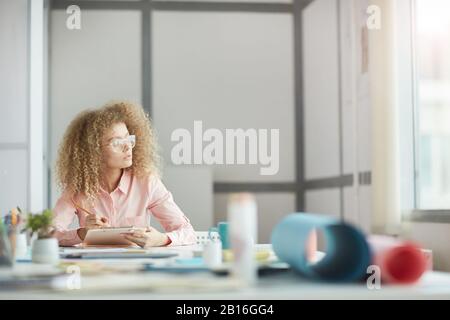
(118, 145)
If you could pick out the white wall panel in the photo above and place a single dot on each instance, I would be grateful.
(14, 71)
(13, 180)
(91, 66)
(229, 70)
(324, 201)
(321, 90)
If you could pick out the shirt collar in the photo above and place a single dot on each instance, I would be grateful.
(124, 183)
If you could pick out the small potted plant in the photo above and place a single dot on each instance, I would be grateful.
(45, 248)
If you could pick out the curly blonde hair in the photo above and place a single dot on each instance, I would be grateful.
(79, 163)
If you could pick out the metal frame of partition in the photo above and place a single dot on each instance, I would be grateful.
(300, 185)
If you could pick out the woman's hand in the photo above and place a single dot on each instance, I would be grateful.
(148, 238)
(92, 222)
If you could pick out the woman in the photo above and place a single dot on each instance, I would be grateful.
(107, 169)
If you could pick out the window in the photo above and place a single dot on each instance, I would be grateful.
(432, 86)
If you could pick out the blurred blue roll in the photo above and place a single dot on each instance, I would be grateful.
(347, 251)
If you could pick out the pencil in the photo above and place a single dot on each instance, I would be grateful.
(81, 208)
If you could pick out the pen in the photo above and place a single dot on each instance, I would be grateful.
(14, 217)
(87, 211)
(81, 208)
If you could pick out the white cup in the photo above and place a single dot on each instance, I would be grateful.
(212, 254)
(21, 251)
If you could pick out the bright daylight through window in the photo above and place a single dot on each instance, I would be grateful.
(432, 44)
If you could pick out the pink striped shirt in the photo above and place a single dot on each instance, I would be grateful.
(132, 203)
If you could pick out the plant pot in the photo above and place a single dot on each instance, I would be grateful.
(45, 251)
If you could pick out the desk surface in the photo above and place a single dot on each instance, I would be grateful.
(125, 282)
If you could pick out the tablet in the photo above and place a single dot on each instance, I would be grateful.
(109, 236)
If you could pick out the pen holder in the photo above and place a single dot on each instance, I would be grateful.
(6, 258)
(21, 247)
(12, 236)
(17, 243)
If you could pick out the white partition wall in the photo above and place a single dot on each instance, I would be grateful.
(36, 99)
(192, 190)
(323, 201)
(321, 104)
(14, 107)
(336, 110)
(21, 110)
(231, 65)
(228, 70)
(321, 89)
(227, 64)
(91, 66)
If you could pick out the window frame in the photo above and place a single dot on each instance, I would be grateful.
(409, 124)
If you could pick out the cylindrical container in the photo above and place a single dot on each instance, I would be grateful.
(6, 257)
(222, 230)
(399, 261)
(21, 246)
(12, 236)
(212, 254)
(242, 216)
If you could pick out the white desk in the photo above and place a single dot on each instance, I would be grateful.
(205, 286)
